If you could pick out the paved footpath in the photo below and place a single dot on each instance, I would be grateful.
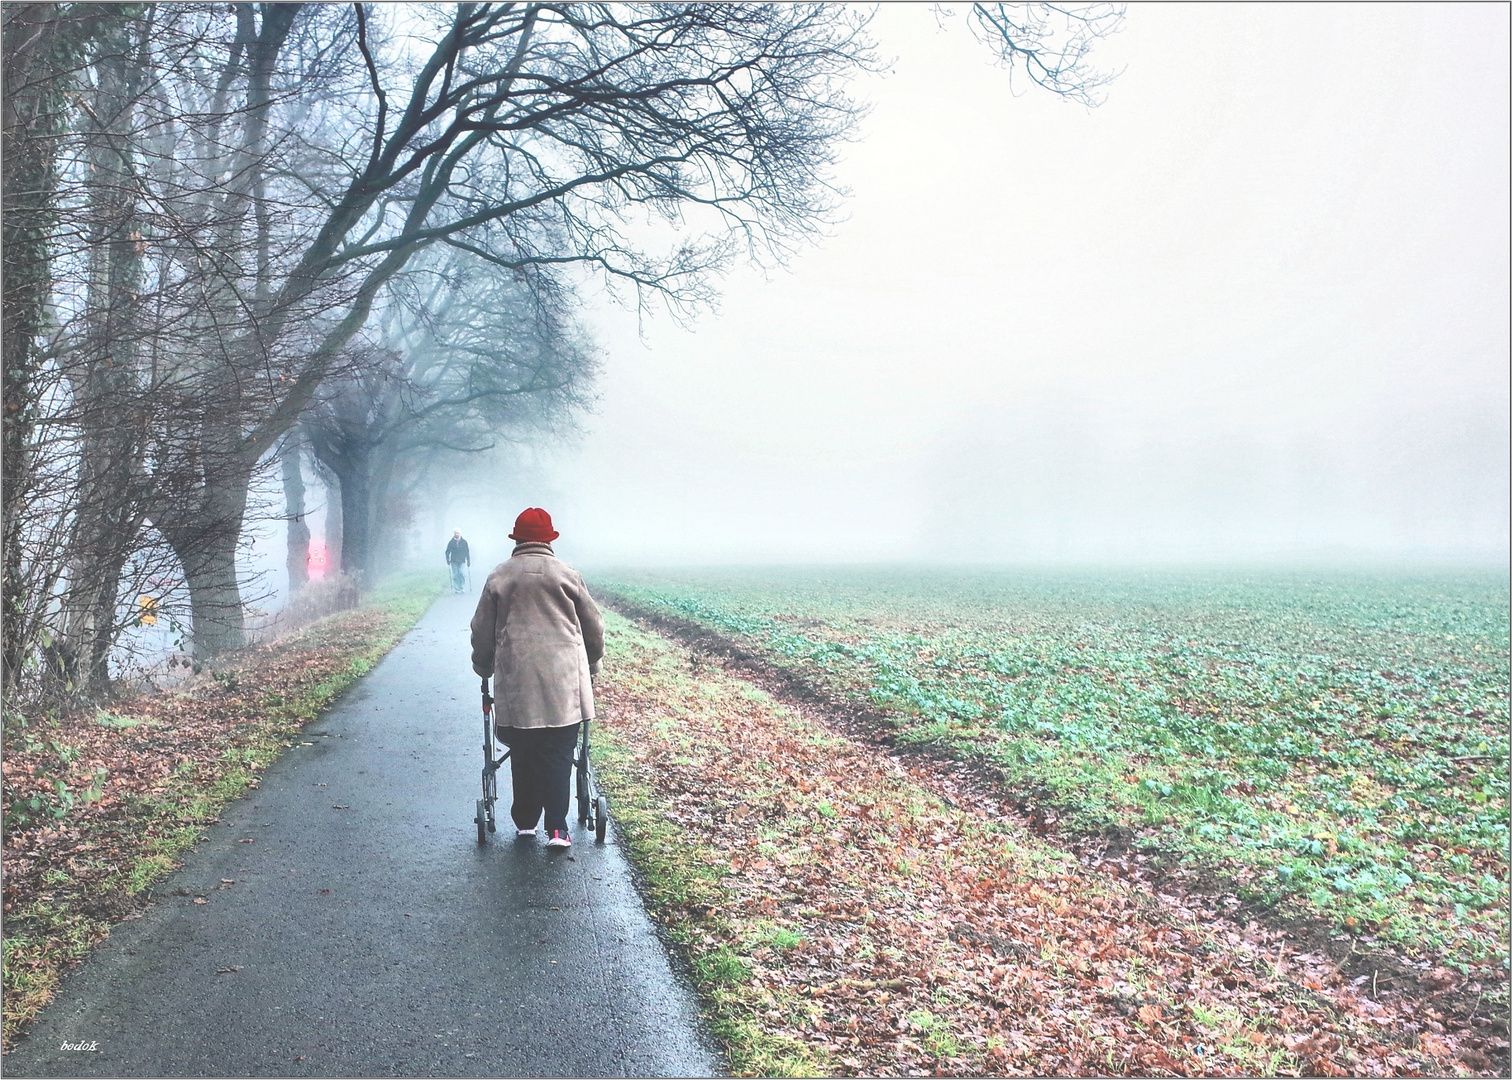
(367, 931)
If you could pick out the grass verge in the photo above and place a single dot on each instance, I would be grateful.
(841, 919)
(683, 885)
(99, 805)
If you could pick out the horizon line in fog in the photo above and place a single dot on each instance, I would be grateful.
(1403, 564)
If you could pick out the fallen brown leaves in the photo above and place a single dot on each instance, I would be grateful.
(892, 932)
(160, 780)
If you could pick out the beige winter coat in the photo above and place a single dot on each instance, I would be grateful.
(539, 634)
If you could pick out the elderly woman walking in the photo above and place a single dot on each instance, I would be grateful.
(538, 634)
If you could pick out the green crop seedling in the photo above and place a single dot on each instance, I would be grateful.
(1336, 740)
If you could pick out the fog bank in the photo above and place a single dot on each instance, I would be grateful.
(1254, 306)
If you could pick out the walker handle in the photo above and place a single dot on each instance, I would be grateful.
(487, 700)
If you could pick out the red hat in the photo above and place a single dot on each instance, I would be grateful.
(533, 526)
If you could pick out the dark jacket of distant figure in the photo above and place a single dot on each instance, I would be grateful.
(457, 553)
(540, 636)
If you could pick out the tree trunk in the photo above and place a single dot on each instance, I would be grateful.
(391, 515)
(357, 523)
(80, 652)
(107, 526)
(198, 497)
(335, 524)
(298, 559)
(345, 467)
(215, 599)
(108, 516)
(204, 533)
(38, 46)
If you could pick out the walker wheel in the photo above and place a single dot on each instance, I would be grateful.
(601, 818)
(482, 821)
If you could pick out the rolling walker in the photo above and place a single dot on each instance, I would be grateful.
(593, 808)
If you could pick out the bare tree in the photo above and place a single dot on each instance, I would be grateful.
(111, 321)
(206, 204)
(472, 356)
(524, 136)
(106, 401)
(42, 45)
(97, 384)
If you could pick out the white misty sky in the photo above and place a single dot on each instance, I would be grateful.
(1255, 305)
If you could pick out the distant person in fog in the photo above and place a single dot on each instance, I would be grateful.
(539, 635)
(457, 556)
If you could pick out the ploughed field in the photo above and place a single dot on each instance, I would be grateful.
(1330, 745)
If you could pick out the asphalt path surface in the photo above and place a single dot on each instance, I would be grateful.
(344, 921)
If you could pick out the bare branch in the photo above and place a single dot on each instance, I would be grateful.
(1050, 43)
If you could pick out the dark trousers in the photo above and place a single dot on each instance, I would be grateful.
(540, 761)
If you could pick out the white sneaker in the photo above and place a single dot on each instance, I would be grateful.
(524, 832)
(559, 838)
